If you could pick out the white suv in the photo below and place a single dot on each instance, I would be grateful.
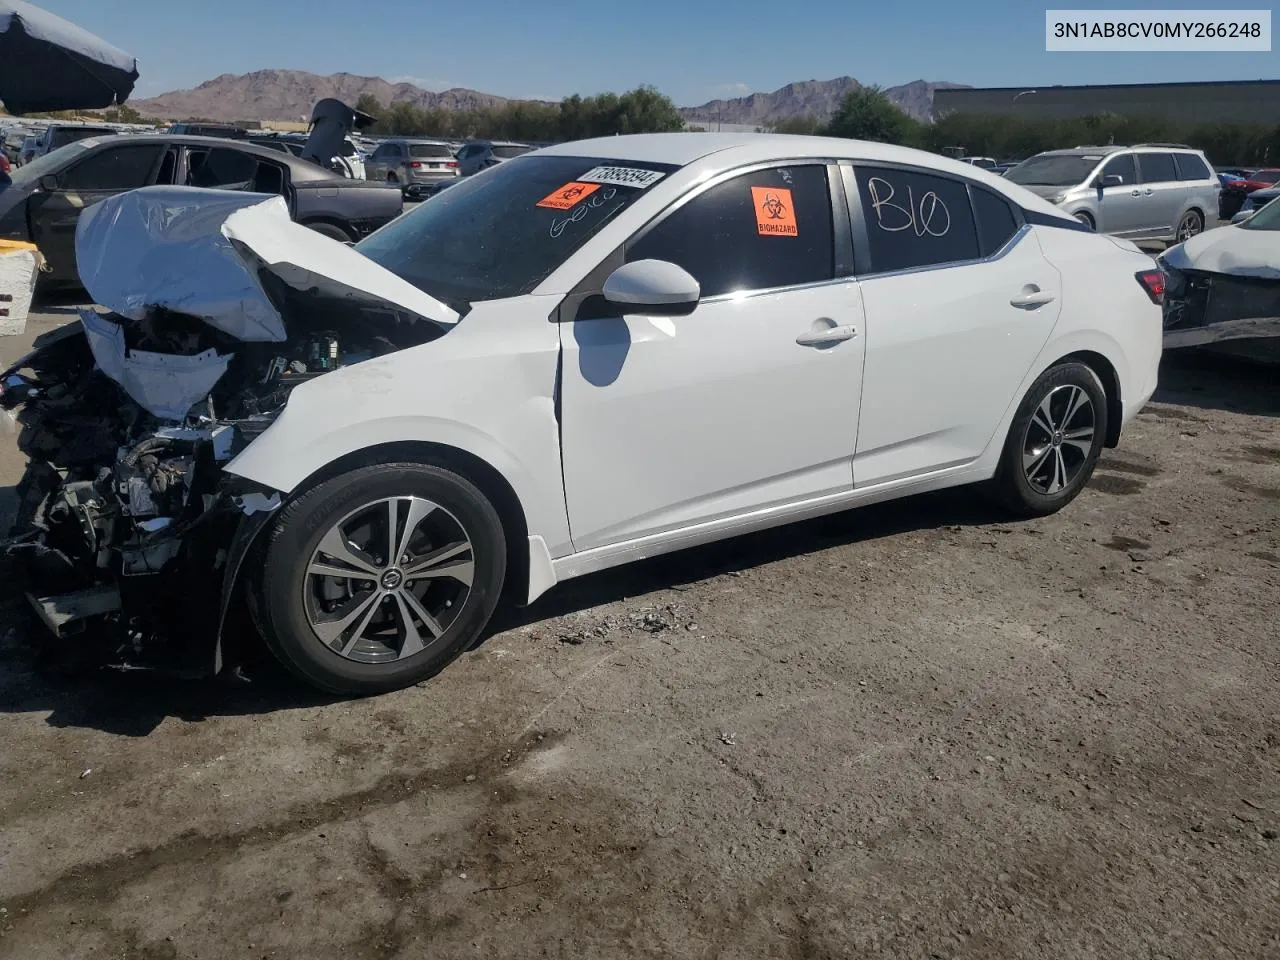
(1152, 191)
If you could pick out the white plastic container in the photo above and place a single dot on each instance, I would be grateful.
(19, 266)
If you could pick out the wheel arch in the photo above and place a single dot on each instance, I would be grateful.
(1106, 372)
(329, 222)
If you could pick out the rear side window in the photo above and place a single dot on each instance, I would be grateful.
(996, 222)
(1191, 167)
(769, 228)
(1157, 167)
(223, 169)
(116, 168)
(916, 219)
(507, 152)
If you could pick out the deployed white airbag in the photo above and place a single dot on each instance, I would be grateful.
(197, 251)
(1230, 250)
(165, 385)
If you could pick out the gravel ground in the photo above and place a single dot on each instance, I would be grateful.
(911, 731)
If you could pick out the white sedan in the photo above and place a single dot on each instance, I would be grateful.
(640, 344)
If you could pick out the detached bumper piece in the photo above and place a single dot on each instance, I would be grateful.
(68, 614)
(1203, 308)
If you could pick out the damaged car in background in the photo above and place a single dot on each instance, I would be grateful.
(1224, 285)
(596, 353)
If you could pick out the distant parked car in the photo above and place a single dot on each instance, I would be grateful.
(228, 131)
(412, 165)
(1231, 201)
(44, 202)
(1255, 201)
(28, 151)
(350, 164)
(59, 135)
(480, 154)
(986, 163)
(1144, 192)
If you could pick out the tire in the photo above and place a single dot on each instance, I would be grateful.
(1035, 489)
(332, 231)
(392, 179)
(1086, 220)
(375, 653)
(1190, 224)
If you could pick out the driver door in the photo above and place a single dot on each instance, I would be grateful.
(91, 179)
(749, 402)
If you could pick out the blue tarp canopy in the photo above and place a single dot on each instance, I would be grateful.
(47, 63)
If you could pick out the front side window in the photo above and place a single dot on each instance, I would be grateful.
(116, 168)
(1157, 167)
(502, 234)
(1122, 167)
(916, 219)
(769, 228)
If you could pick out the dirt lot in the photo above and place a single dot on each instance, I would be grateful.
(914, 731)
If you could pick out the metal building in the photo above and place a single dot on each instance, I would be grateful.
(1230, 101)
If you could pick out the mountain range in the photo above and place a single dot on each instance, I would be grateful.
(290, 95)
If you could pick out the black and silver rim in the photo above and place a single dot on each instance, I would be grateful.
(1059, 439)
(388, 580)
(1189, 227)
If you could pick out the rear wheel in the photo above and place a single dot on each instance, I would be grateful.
(1054, 441)
(380, 578)
(1190, 224)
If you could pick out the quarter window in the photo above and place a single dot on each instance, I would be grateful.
(769, 228)
(1122, 167)
(996, 222)
(916, 219)
(1157, 167)
(116, 168)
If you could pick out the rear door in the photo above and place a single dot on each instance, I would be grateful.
(1161, 191)
(959, 302)
(109, 170)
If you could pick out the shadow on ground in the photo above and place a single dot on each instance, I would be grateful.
(1243, 381)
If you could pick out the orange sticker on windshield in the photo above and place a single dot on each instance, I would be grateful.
(568, 196)
(775, 216)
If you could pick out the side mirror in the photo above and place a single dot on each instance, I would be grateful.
(1111, 180)
(1243, 215)
(49, 183)
(653, 287)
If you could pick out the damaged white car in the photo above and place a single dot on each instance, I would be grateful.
(1225, 284)
(589, 355)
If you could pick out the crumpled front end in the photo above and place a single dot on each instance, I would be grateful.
(129, 532)
(1220, 286)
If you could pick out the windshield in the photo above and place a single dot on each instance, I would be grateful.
(1268, 218)
(429, 150)
(1053, 170)
(507, 152)
(503, 232)
(51, 162)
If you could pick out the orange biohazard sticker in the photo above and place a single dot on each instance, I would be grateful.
(775, 216)
(570, 195)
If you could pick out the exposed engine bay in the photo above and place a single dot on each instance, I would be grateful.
(127, 526)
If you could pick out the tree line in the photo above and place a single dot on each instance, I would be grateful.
(867, 114)
(642, 110)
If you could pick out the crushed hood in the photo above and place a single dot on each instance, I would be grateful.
(1230, 250)
(200, 252)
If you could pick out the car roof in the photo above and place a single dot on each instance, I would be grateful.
(717, 152)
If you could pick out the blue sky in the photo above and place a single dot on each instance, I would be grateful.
(692, 50)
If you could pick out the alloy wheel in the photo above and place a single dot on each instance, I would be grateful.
(1059, 439)
(1188, 227)
(388, 579)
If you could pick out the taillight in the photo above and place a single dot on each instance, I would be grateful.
(451, 164)
(415, 164)
(1153, 282)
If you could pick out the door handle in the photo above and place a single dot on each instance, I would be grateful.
(821, 338)
(1032, 299)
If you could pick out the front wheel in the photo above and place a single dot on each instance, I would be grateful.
(1086, 220)
(379, 578)
(1054, 441)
